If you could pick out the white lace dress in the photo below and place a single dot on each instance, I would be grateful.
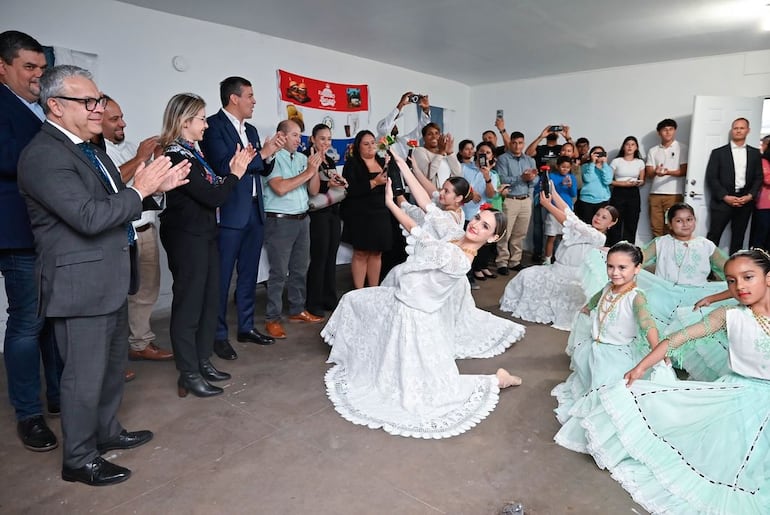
(554, 293)
(478, 333)
(394, 347)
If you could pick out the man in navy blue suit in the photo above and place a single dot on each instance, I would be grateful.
(22, 63)
(242, 217)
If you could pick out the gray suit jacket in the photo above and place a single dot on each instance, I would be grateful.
(79, 227)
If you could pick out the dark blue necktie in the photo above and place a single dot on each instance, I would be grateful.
(89, 152)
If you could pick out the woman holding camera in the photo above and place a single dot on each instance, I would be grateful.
(628, 170)
(325, 226)
(597, 176)
(485, 184)
(367, 221)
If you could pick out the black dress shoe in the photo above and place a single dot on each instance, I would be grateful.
(99, 472)
(255, 336)
(210, 373)
(125, 440)
(35, 434)
(224, 350)
(518, 268)
(503, 270)
(194, 382)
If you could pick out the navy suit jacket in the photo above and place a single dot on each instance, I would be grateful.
(720, 173)
(18, 125)
(218, 145)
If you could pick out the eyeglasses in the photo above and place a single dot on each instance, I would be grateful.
(89, 102)
(201, 118)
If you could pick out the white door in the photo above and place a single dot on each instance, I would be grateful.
(711, 121)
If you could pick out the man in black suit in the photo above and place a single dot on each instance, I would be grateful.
(734, 177)
(242, 217)
(27, 338)
(80, 213)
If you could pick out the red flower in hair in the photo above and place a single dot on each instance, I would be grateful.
(485, 206)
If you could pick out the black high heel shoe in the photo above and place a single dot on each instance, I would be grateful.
(210, 373)
(193, 382)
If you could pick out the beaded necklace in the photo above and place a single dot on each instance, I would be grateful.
(609, 300)
(762, 320)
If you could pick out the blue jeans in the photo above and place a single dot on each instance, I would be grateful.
(27, 339)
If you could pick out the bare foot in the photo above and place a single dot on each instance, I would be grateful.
(505, 379)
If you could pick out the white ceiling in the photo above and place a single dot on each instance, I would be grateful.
(489, 41)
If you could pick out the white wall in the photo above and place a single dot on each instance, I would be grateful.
(135, 47)
(607, 105)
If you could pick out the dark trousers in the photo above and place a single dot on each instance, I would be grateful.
(738, 217)
(325, 231)
(760, 229)
(628, 202)
(538, 226)
(239, 249)
(194, 264)
(586, 210)
(28, 338)
(397, 253)
(94, 350)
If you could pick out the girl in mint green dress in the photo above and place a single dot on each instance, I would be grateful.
(616, 333)
(697, 447)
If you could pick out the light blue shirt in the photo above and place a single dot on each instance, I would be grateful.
(596, 183)
(510, 169)
(286, 166)
(35, 106)
(476, 179)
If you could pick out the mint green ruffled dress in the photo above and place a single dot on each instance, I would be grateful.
(693, 447)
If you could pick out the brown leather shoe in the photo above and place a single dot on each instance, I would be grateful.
(152, 352)
(275, 330)
(130, 375)
(305, 317)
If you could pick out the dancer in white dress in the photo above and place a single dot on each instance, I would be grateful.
(554, 293)
(478, 333)
(392, 346)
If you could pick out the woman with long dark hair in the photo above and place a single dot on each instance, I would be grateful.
(628, 176)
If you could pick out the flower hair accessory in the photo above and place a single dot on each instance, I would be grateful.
(485, 206)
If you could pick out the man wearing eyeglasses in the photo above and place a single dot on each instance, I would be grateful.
(26, 337)
(80, 212)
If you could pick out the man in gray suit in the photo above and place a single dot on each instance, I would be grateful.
(80, 213)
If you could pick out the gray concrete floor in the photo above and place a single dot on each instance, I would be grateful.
(273, 444)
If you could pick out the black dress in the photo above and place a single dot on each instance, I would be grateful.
(366, 218)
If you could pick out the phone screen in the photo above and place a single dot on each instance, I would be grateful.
(500, 113)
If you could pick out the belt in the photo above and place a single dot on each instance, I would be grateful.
(519, 197)
(284, 215)
(144, 227)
